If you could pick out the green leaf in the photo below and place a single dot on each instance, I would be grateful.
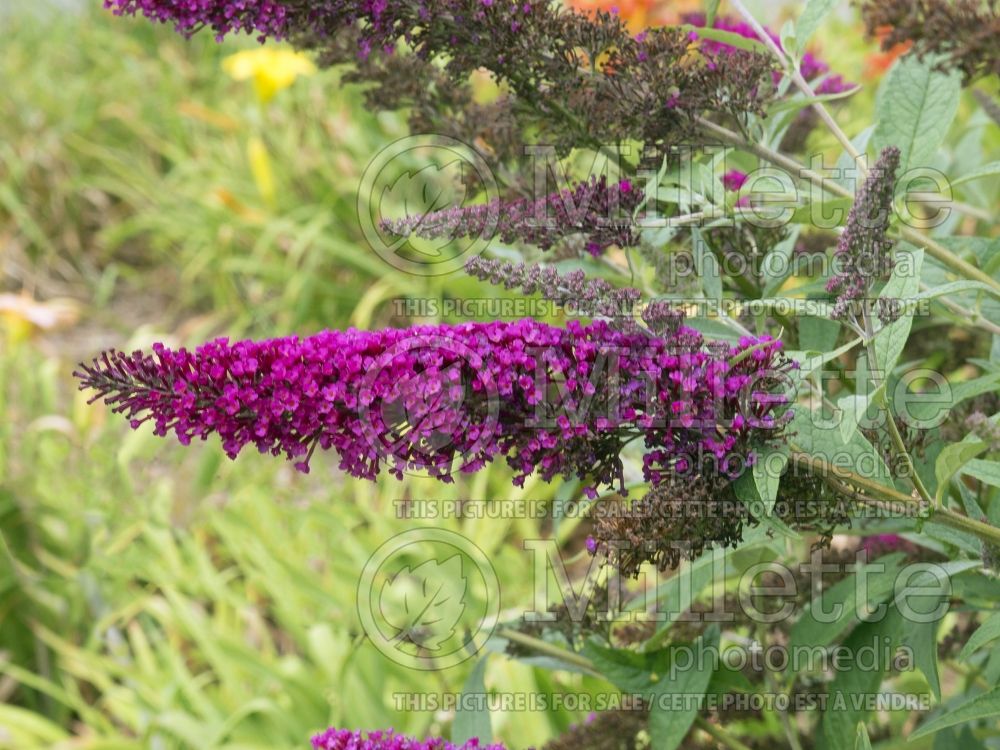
(977, 707)
(707, 265)
(473, 723)
(771, 462)
(809, 361)
(629, 671)
(821, 439)
(777, 263)
(845, 707)
(667, 728)
(956, 287)
(804, 214)
(991, 169)
(810, 19)
(837, 609)
(862, 742)
(930, 410)
(985, 471)
(798, 102)
(728, 37)
(988, 631)
(711, 11)
(681, 590)
(922, 638)
(915, 107)
(953, 458)
(905, 282)
(817, 334)
(853, 407)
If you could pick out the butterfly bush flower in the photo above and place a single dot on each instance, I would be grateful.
(864, 252)
(959, 35)
(575, 79)
(266, 18)
(602, 213)
(811, 66)
(572, 290)
(344, 739)
(734, 179)
(552, 400)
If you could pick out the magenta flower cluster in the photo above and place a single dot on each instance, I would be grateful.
(600, 212)
(556, 401)
(266, 18)
(811, 66)
(344, 739)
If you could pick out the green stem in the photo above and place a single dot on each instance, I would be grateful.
(719, 734)
(939, 513)
(565, 655)
(548, 649)
(933, 247)
(801, 84)
(890, 418)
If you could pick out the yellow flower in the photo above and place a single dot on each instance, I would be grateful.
(271, 69)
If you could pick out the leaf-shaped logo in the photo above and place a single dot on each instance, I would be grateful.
(425, 191)
(424, 604)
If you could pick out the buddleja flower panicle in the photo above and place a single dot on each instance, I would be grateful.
(266, 18)
(600, 212)
(573, 290)
(864, 251)
(810, 66)
(345, 739)
(552, 400)
(962, 35)
(582, 80)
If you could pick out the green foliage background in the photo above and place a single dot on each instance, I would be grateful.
(150, 596)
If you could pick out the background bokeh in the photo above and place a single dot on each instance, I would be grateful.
(150, 596)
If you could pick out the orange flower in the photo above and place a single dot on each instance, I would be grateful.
(876, 63)
(640, 14)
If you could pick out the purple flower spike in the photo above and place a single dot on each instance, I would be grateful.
(344, 739)
(441, 399)
(266, 18)
(601, 213)
(864, 251)
(811, 66)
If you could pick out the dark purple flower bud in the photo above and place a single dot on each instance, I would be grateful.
(601, 213)
(959, 35)
(864, 251)
(579, 294)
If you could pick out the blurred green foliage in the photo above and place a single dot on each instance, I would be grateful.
(155, 597)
